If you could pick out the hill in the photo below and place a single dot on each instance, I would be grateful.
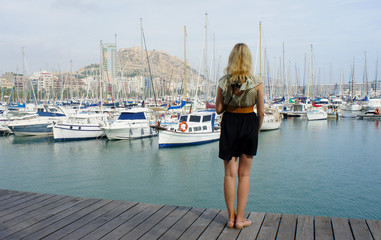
(162, 64)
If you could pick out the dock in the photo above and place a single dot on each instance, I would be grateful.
(27, 215)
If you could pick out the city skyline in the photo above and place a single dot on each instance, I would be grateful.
(53, 33)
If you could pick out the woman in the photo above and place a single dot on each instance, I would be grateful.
(238, 91)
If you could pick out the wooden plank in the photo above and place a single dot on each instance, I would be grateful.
(360, 229)
(341, 229)
(79, 211)
(59, 213)
(116, 222)
(18, 224)
(305, 228)
(127, 226)
(216, 226)
(15, 200)
(323, 228)
(287, 227)
(176, 230)
(8, 194)
(35, 216)
(199, 226)
(26, 213)
(13, 211)
(375, 228)
(149, 223)
(165, 224)
(270, 226)
(32, 205)
(100, 221)
(230, 233)
(252, 231)
(83, 220)
(3, 192)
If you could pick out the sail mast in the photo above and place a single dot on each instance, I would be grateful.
(375, 78)
(260, 49)
(185, 63)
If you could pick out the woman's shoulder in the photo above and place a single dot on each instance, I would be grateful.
(223, 81)
(251, 82)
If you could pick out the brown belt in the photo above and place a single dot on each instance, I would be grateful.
(234, 109)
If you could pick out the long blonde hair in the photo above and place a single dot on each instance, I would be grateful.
(240, 64)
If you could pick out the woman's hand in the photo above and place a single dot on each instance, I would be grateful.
(219, 101)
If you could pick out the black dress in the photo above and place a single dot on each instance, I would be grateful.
(239, 135)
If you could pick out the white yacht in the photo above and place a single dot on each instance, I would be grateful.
(192, 129)
(132, 123)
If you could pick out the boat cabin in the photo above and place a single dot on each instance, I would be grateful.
(199, 122)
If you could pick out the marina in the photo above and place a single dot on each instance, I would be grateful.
(318, 168)
(26, 215)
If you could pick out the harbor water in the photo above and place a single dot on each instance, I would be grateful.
(323, 168)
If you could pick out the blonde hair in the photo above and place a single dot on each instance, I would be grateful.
(240, 63)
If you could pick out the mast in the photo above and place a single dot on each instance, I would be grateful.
(23, 73)
(283, 69)
(206, 57)
(353, 76)
(142, 58)
(365, 77)
(312, 72)
(375, 78)
(149, 68)
(260, 48)
(304, 74)
(185, 63)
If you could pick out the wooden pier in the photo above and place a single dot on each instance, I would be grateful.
(26, 215)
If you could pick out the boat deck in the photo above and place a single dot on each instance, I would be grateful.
(26, 215)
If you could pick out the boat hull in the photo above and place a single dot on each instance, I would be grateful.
(314, 116)
(175, 139)
(65, 132)
(267, 126)
(39, 129)
(128, 133)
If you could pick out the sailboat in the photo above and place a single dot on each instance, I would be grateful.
(272, 118)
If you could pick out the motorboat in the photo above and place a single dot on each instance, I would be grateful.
(131, 123)
(191, 129)
(79, 126)
(316, 114)
(271, 120)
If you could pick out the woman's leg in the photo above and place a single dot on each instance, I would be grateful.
(244, 168)
(229, 185)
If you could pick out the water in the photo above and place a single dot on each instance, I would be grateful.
(324, 168)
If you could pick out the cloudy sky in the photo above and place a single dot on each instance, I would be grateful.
(55, 32)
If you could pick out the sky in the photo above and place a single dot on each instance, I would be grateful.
(55, 32)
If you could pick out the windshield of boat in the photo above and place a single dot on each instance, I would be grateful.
(206, 118)
(194, 118)
(183, 118)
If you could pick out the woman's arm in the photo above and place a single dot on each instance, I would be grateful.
(260, 104)
(219, 101)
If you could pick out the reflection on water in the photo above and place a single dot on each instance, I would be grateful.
(31, 139)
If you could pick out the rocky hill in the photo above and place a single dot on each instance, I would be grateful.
(161, 63)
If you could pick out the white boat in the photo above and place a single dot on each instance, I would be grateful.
(31, 126)
(192, 129)
(316, 114)
(79, 127)
(39, 124)
(4, 130)
(373, 104)
(272, 120)
(298, 110)
(132, 123)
